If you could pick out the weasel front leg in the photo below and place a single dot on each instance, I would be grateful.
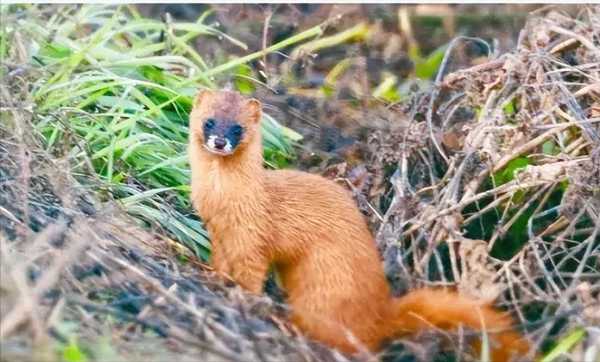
(241, 260)
(250, 271)
(218, 259)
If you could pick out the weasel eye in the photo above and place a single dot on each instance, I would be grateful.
(210, 123)
(237, 130)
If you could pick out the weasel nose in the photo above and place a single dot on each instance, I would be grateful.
(220, 143)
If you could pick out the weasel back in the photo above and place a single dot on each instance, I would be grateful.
(327, 261)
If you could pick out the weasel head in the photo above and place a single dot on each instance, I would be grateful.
(224, 122)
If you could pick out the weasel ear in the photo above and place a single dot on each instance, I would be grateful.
(202, 96)
(253, 108)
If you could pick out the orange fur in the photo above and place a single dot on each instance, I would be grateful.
(311, 231)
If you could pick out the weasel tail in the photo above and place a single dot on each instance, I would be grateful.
(423, 308)
(311, 231)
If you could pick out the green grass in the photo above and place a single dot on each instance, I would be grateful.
(115, 91)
